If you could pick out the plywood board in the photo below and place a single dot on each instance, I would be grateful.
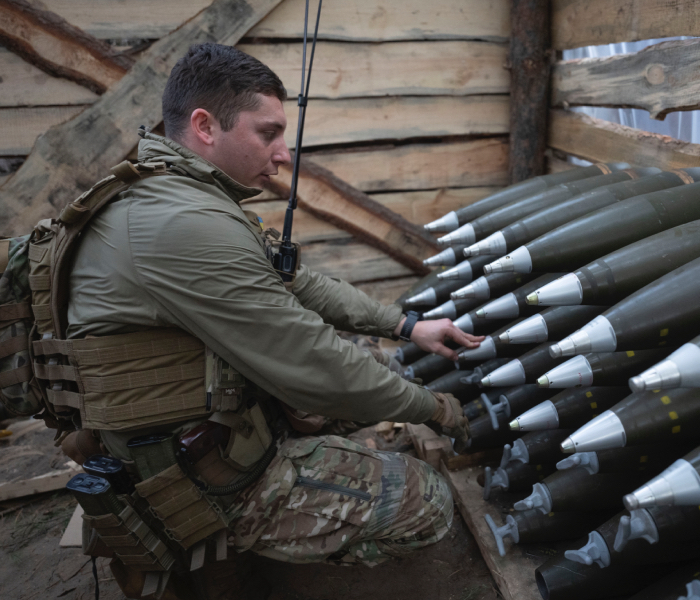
(482, 162)
(662, 78)
(601, 141)
(23, 84)
(515, 573)
(346, 70)
(592, 22)
(397, 118)
(73, 535)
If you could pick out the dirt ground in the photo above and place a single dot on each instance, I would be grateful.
(33, 566)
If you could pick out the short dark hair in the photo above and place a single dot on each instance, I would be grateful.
(219, 79)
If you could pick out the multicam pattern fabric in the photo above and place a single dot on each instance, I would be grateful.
(328, 499)
(19, 399)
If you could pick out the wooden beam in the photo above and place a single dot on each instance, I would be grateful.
(661, 79)
(49, 482)
(351, 70)
(23, 84)
(73, 156)
(601, 141)
(397, 118)
(22, 126)
(367, 20)
(593, 22)
(55, 46)
(482, 162)
(327, 197)
(417, 207)
(529, 88)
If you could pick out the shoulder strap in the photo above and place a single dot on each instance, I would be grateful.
(76, 215)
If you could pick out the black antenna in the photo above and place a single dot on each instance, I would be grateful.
(285, 260)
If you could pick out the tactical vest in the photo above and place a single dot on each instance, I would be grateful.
(134, 381)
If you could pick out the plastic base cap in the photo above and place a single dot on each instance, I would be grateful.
(463, 235)
(478, 290)
(505, 307)
(461, 271)
(425, 298)
(601, 433)
(510, 374)
(679, 485)
(680, 369)
(444, 311)
(529, 331)
(446, 258)
(486, 350)
(464, 323)
(596, 336)
(575, 372)
(495, 244)
(518, 261)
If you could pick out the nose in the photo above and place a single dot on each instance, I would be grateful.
(281, 155)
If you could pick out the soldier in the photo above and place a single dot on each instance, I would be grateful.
(179, 251)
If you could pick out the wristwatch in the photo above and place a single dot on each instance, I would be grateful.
(412, 317)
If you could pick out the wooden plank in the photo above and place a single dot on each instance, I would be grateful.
(328, 122)
(347, 70)
(325, 196)
(386, 291)
(661, 79)
(397, 118)
(373, 20)
(73, 156)
(482, 162)
(73, 535)
(601, 141)
(515, 573)
(417, 207)
(22, 126)
(557, 165)
(23, 84)
(51, 43)
(529, 88)
(352, 261)
(593, 22)
(348, 20)
(49, 482)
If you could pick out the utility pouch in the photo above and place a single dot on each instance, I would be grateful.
(188, 516)
(119, 526)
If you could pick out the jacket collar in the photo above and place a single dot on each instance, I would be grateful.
(154, 148)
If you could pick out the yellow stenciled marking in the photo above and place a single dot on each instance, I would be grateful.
(676, 429)
(552, 514)
(594, 405)
(589, 395)
(656, 391)
(538, 467)
(643, 459)
(630, 353)
(663, 333)
(665, 400)
(673, 414)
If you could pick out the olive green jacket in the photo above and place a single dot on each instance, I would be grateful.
(178, 250)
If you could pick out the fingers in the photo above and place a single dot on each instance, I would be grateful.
(443, 350)
(464, 339)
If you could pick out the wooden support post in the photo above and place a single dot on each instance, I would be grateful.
(529, 63)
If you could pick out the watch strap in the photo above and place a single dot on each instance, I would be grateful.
(412, 317)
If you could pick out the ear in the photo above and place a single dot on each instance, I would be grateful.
(203, 126)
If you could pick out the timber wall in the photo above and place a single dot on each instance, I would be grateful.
(660, 79)
(409, 105)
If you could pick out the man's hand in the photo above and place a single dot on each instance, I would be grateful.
(431, 335)
(449, 416)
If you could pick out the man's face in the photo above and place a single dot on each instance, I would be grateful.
(254, 148)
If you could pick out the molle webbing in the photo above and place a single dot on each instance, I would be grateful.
(10, 314)
(126, 381)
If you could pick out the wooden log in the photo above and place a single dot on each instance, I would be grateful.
(418, 207)
(529, 88)
(327, 197)
(593, 22)
(397, 118)
(22, 126)
(602, 141)
(515, 573)
(661, 79)
(59, 48)
(351, 70)
(482, 162)
(349, 20)
(72, 157)
(352, 261)
(23, 84)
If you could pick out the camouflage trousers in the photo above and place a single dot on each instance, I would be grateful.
(329, 499)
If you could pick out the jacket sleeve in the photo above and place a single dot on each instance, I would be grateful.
(206, 271)
(344, 306)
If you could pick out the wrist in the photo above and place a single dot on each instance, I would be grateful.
(408, 324)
